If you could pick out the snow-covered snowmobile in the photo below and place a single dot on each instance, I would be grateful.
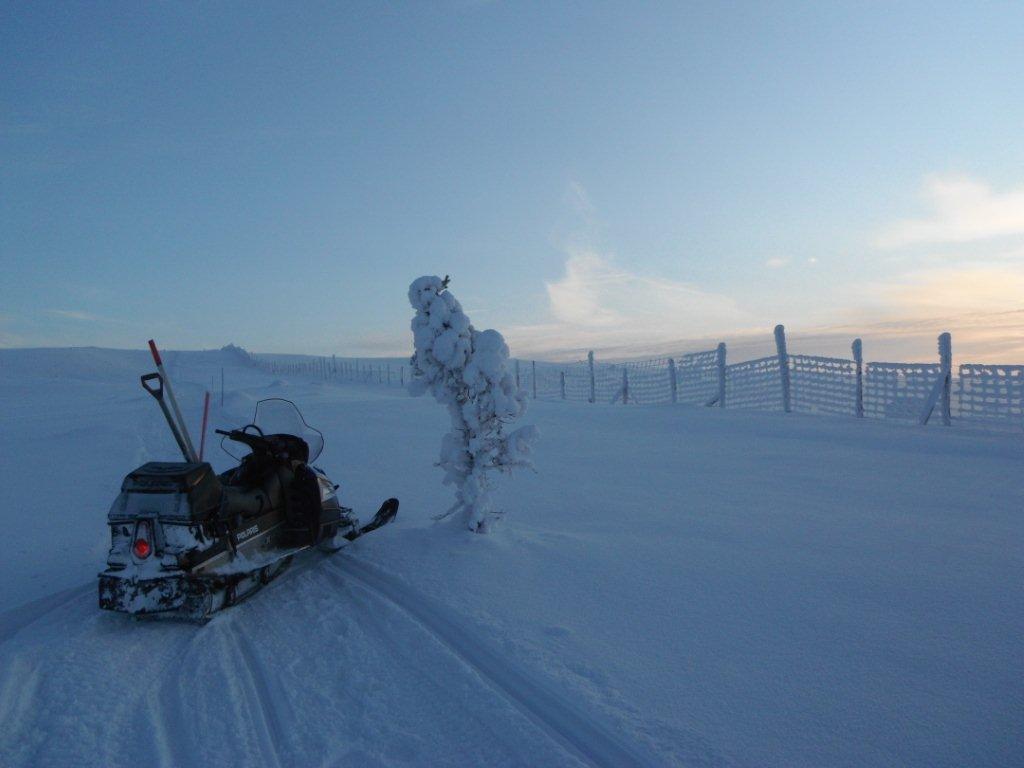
(187, 541)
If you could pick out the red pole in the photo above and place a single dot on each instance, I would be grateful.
(206, 415)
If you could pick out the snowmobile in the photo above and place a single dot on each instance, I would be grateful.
(186, 541)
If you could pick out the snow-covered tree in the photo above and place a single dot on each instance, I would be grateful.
(466, 371)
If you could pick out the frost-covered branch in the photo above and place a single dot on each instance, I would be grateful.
(466, 371)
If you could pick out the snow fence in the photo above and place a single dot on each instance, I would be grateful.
(990, 396)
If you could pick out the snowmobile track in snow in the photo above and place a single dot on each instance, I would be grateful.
(593, 742)
(20, 617)
(269, 727)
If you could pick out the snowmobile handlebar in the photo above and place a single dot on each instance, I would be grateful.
(282, 447)
(255, 442)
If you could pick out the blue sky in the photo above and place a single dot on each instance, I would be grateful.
(622, 175)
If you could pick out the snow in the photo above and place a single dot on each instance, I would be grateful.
(675, 586)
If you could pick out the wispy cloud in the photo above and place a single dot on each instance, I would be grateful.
(955, 290)
(597, 302)
(73, 314)
(578, 200)
(963, 210)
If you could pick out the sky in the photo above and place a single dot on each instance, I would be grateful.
(631, 177)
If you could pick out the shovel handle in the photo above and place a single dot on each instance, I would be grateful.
(158, 391)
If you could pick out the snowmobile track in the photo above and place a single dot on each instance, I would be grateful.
(20, 617)
(595, 743)
(259, 674)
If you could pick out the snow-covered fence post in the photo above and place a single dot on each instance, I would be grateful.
(590, 363)
(561, 383)
(517, 374)
(467, 371)
(401, 375)
(946, 360)
(940, 393)
(858, 359)
(672, 379)
(625, 386)
(720, 364)
(780, 346)
(533, 377)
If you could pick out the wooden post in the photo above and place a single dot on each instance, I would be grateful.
(780, 346)
(533, 375)
(858, 359)
(561, 382)
(517, 375)
(401, 375)
(590, 361)
(720, 360)
(940, 393)
(625, 386)
(946, 361)
(672, 378)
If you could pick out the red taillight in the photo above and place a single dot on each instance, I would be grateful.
(141, 548)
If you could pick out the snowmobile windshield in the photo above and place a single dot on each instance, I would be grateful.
(276, 416)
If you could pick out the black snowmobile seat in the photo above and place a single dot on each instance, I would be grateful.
(197, 480)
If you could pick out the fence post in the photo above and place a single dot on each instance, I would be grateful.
(780, 345)
(858, 358)
(941, 390)
(517, 375)
(561, 383)
(946, 360)
(721, 374)
(590, 362)
(672, 378)
(625, 386)
(533, 375)
(401, 375)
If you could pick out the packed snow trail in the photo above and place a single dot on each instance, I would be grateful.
(594, 742)
(286, 681)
